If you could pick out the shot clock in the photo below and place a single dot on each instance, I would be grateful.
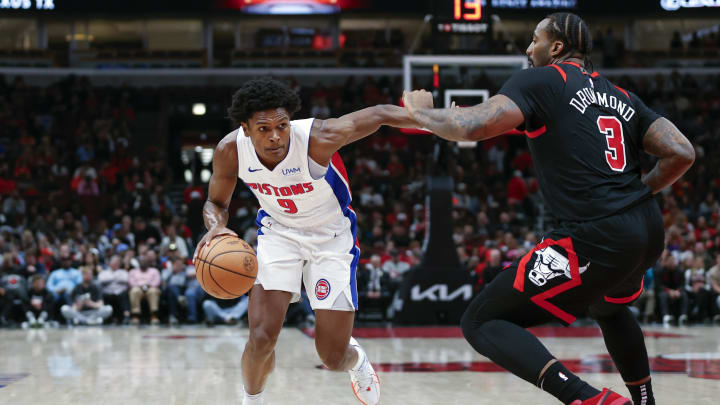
(467, 10)
(460, 17)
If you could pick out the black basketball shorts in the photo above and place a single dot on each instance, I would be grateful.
(579, 264)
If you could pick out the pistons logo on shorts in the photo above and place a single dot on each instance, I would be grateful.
(322, 289)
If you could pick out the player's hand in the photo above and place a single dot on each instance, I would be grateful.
(417, 99)
(212, 233)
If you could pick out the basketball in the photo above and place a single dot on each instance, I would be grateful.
(227, 267)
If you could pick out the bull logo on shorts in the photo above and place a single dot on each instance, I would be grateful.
(549, 263)
(322, 289)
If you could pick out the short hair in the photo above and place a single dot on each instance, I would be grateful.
(259, 95)
(573, 32)
(35, 278)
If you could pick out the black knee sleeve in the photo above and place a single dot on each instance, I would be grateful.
(624, 340)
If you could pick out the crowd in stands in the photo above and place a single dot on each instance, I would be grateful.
(66, 150)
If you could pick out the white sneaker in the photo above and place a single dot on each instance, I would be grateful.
(363, 380)
(683, 320)
(667, 320)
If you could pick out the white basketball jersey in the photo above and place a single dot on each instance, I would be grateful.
(288, 193)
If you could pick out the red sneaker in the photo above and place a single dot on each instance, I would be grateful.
(606, 397)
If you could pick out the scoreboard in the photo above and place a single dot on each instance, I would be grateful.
(467, 15)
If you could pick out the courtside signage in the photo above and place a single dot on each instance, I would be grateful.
(27, 4)
(439, 292)
(673, 5)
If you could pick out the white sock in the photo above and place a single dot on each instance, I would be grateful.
(257, 399)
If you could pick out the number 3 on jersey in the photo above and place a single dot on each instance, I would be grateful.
(613, 131)
(289, 205)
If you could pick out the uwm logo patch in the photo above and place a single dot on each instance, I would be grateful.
(291, 170)
(440, 292)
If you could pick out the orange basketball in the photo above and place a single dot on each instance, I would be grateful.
(227, 267)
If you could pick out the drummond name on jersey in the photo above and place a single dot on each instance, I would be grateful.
(587, 96)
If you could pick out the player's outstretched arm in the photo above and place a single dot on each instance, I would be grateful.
(676, 154)
(222, 185)
(330, 135)
(494, 117)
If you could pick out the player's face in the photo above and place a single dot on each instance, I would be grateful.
(543, 49)
(269, 132)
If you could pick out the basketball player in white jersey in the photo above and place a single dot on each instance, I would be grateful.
(306, 226)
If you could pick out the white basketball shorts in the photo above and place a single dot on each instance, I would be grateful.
(324, 259)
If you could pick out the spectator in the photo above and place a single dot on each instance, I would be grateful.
(33, 266)
(174, 280)
(713, 278)
(194, 295)
(140, 202)
(671, 282)
(374, 285)
(114, 285)
(161, 201)
(63, 280)
(394, 267)
(91, 262)
(228, 311)
(516, 189)
(87, 306)
(494, 266)
(697, 290)
(646, 302)
(13, 293)
(370, 198)
(14, 205)
(171, 239)
(88, 187)
(145, 233)
(144, 283)
(40, 304)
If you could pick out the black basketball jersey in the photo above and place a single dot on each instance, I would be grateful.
(585, 137)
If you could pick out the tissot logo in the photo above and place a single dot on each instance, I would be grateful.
(291, 170)
(439, 292)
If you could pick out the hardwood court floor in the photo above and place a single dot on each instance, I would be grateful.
(196, 365)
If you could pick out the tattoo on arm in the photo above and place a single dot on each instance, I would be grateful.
(676, 154)
(497, 115)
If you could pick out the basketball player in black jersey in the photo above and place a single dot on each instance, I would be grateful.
(586, 136)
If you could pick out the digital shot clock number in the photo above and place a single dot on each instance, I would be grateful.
(467, 10)
(461, 17)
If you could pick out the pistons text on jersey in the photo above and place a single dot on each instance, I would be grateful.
(293, 189)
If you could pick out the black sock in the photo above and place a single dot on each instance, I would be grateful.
(559, 382)
(642, 394)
